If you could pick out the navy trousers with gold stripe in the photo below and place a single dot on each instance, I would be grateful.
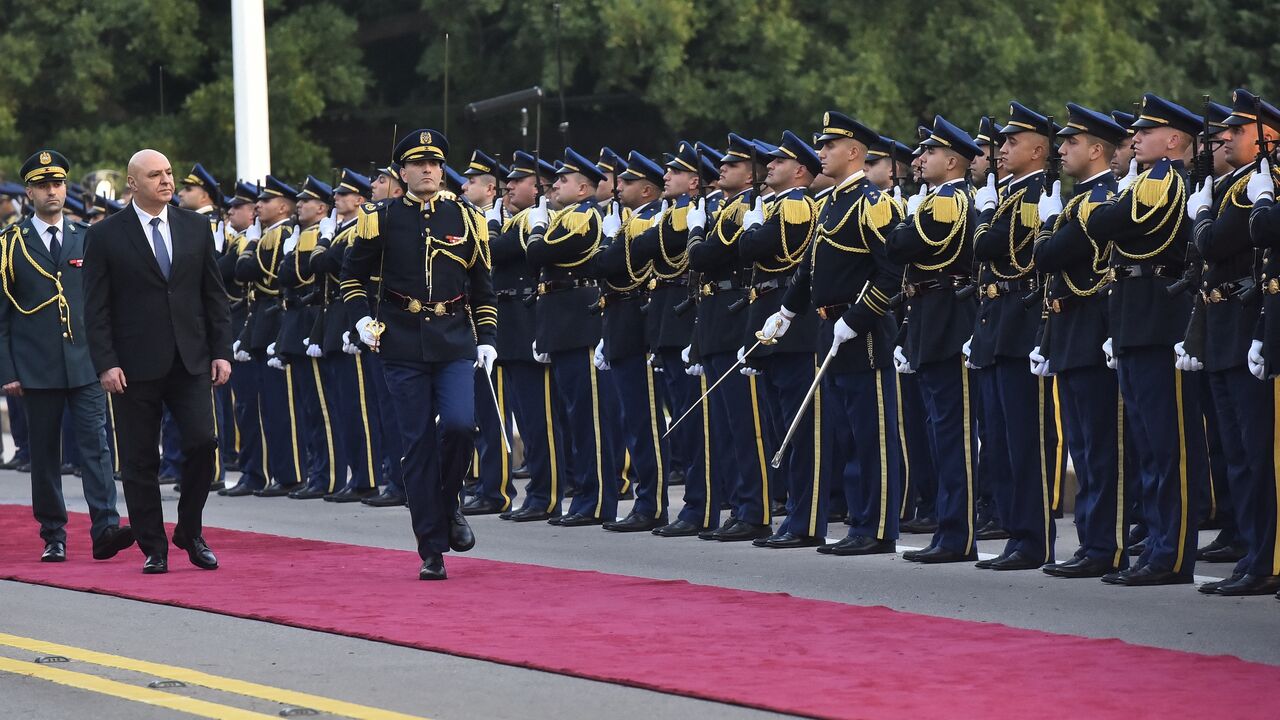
(788, 377)
(1246, 415)
(919, 477)
(593, 464)
(702, 494)
(252, 458)
(1164, 414)
(945, 388)
(634, 386)
(530, 392)
(286, 457)
(1025, 501)
(1097, 437)
(495, 463)
(353, 422)
(738, 422)
(326, 468)
(389, 446)
(866, 404)
(994, 475)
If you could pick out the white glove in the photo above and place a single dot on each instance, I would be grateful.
(777, 324)
(966, 350)
(599, 360)
(1257, 365)
(1260, 183)
(1124, 182)
(612, 224)
(697, 216)
(292, 241)
(254, 232)
(539, 216)
(842, 333)
(913, 202)
(897, 193)
(987, 196)
(685, 354)
(219, 236)
(543, 358)
(276, 363)
(1039, 365)
(1201, 199)
(1051, 202)
(494, 214)
(755, 216)
(349, 347)
(695, 370)
(745, 369)
(1109, 354)
(485, 355)
(271, 350)
(329, 225)
(237, 354)
(314, 351)
(900, 362)
(662, 213)
(364, 326)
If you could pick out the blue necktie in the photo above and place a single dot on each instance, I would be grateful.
(55, 247)
(162, 253)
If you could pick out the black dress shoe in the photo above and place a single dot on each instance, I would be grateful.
(386, 498)
(461, 539)
(155, 565)
(679, 528)
(1082, 568)
(920, 526)
(521, 472)
(218, 486)
(1017, 560)
(1221, 541)
(528, 514)
(741, 531)
(240, 489)
(635, 522)
(986, 564)
(579, 520)
(836, 516)
(991, 531)
(276, 489)
(860, 545)
(1228, 554)
(54, 552)
(1137, 548)
(351, 495)
(939, 554)
(1252, 585)
(630, 493)
(1211, 588)
(675, 477)
(786, 541)
(111, 541)
(1147, 576)
(23, 467)
(480, 505)
(571, 492)
(308, 493)
(777, 508)
(197, 550)
(433, 568)
(10, 464)
(1116, 577)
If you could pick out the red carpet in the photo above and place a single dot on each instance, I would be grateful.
(770, 651)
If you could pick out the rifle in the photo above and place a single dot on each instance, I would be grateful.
(694, 280)
(1052, 173)
(993, 171)
(1201, 170)
(1259, 256)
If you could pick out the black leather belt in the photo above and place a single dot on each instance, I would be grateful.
(1228, 290)
(436, 308)
(1001, 287)
(829, 312)
(655, 283)
(711, 288)
(520, 293)
(764, 288)
(556, 285)
(1136, 271)
(945, 282)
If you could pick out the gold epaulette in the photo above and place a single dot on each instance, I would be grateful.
(947, 209)
(879, 213)
(637, 225)
(1029, 214)
(367, 221)
(307, 239)
(733, 212)
(1152, 193)
(572, 222)
(679, 218)
(795, 211)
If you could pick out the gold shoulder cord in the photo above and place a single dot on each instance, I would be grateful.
(9, 243)
(580, 228)
(957, 227)
(1101, 256)
(1176, 210)
(634, 227)
(790, 258)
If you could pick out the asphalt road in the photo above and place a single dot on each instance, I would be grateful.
(440, 686)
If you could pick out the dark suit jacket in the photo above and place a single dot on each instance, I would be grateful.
(135, 319)
(37, 348)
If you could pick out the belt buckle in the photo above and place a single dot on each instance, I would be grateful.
(1056, 305)
(707, 290)
(822, 313)
(653, 284)
(991, 291)
(542, 288)
(414, 305)
(438, 309)
(753, 295)
(910, 290)
(1215, 295)
(1273, 286)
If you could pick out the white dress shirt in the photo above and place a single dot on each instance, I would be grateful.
(42, 229)
(146, 218)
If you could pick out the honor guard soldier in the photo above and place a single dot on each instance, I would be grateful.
(1150, 243)
(313, 403)
(934, 243)
(567, 329)
(432, 321)
(44, 357)
(1069, 348)
(258, 268)
(343, 371)
(1232, 308)
(1124, 151)
(1016, 402)
(623, 353)
(612, 165)
(736, 446)
(252, 456)
(524, 383)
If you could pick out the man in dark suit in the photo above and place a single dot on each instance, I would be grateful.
(44, 358)
(159, 332)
